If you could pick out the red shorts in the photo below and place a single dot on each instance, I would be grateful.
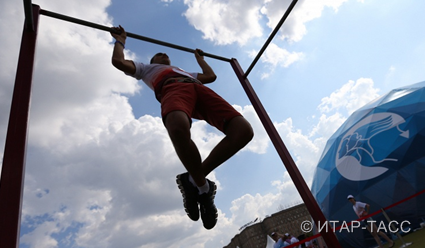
(197, 101)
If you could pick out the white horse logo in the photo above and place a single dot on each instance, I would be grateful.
(357, 142)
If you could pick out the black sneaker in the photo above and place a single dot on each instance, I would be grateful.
(208, 210)
(190, 196)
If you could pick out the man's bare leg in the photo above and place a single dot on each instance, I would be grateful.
(178, 127)
(373, 229)
(238, 133)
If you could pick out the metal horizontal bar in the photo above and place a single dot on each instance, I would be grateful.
(135, 36)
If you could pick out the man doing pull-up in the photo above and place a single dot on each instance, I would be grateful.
(184, 96)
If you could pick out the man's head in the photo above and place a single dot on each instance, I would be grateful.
(274, 236)
(351, 199)
(160, 58)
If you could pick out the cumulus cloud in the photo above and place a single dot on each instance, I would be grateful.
(304, 11)
(225, 22)
(350, 96)
(260, 142)
(275, 56)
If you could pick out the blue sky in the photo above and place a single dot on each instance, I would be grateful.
(100, 167)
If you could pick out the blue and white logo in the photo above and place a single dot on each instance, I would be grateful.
(356, 148)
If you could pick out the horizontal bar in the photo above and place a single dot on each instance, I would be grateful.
(135, 36)
(271, 37)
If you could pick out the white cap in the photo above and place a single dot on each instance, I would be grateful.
(349, 197)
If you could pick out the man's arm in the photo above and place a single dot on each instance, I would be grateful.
(207, 75)
(118, 58)
(366, 209)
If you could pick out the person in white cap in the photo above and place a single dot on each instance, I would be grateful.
(362, 210)
(279, 240)
(292, 239)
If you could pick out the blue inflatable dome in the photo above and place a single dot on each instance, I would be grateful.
(378, 156)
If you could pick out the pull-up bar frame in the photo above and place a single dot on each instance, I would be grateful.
(13, 171)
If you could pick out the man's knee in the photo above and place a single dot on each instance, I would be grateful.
(178, 132)
(177, 124)
(248, 132)
(241, 129)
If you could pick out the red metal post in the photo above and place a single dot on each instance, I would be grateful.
(13, 171)
(287, 160)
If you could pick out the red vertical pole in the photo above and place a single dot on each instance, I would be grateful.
(287, 160)
(13, 170)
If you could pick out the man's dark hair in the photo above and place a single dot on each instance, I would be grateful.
(155, 56)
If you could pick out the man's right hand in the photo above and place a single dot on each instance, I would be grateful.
(120, 34)
(118, 57)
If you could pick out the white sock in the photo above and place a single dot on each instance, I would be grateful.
(192, 181)
(203, 189)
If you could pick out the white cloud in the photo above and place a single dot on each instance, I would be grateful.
(38, 237)
(228, 22)
(225, 22)
(304, 11)
(350, 96)
(260, 142)
(327, 125)
(275, 56)
(303, 149)
(248, 207)
(341, 103)
(63, 88)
